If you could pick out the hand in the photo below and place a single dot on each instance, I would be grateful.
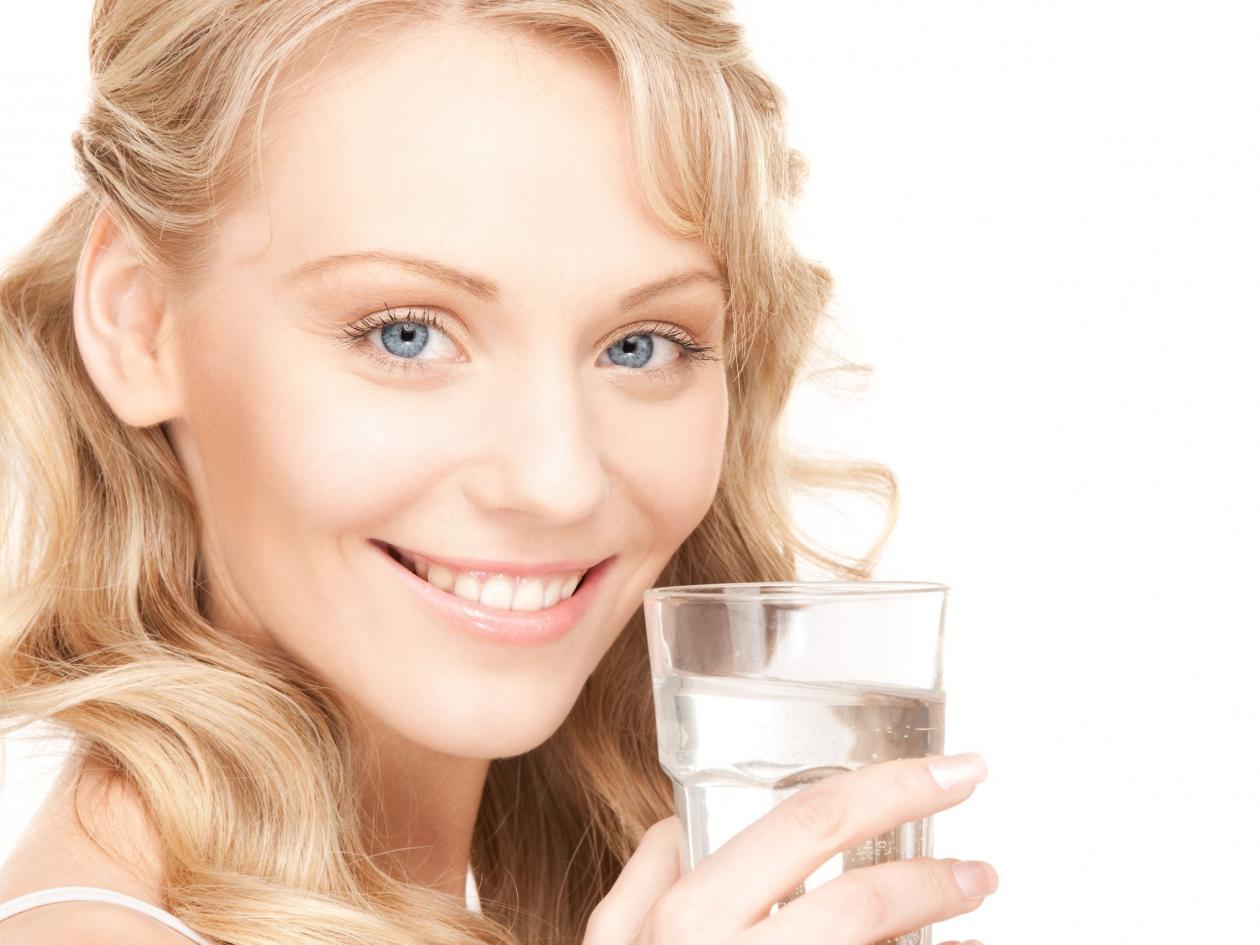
(727, 898)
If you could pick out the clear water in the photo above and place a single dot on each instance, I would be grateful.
(736, 747)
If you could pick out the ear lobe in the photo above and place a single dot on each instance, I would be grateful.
(118, 325)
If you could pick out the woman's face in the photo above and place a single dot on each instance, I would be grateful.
(539, 419)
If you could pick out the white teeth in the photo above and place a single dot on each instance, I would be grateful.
(467, 586)
(440, 577)
(529, 595)
(499, 590)
(552, 593)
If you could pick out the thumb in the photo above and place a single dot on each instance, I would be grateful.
(651, 869)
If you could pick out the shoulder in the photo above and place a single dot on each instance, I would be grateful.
(86, 923)
(55, 851)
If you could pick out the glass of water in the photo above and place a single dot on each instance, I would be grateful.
(761, 689)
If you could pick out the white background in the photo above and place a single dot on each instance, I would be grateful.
(1044, 220)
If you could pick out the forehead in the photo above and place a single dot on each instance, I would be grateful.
(452, 141)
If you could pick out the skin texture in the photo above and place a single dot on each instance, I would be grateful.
(56, 851)
(519, 439)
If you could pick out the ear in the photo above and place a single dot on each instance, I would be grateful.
(120, 330)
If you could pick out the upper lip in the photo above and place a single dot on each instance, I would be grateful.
(515, 569)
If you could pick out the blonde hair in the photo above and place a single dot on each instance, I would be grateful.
(244, 763)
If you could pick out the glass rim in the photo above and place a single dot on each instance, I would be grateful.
(792, 591)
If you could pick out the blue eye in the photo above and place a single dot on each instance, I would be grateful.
(411, 331)
(636, 349)
(405, 339)
(405, 335)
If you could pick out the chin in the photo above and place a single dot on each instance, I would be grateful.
(486, 729)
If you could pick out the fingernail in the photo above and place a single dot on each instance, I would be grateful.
(951, 771)
(976, 878)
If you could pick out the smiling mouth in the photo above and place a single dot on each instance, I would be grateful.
(497, 591)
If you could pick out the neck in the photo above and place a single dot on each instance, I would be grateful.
(422, 806)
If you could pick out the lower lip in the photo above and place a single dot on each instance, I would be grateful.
(504, 626)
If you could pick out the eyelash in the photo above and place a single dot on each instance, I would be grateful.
(691, 352)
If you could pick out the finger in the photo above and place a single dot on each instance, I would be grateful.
(651, 869)
(756, 867)
(954, 941)
(873, 902)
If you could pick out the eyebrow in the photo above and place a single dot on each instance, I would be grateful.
(481, 287)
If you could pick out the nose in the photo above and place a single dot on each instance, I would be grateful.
(539, 449)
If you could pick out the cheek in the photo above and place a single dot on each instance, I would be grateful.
(294, 466)
(673, 460)
(318, 449)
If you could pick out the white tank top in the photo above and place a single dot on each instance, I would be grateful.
(43, 897)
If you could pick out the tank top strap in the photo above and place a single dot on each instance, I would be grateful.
(43, 897)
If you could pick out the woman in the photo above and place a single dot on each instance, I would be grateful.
(392, 351)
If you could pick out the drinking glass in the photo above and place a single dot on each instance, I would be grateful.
(763, 688)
